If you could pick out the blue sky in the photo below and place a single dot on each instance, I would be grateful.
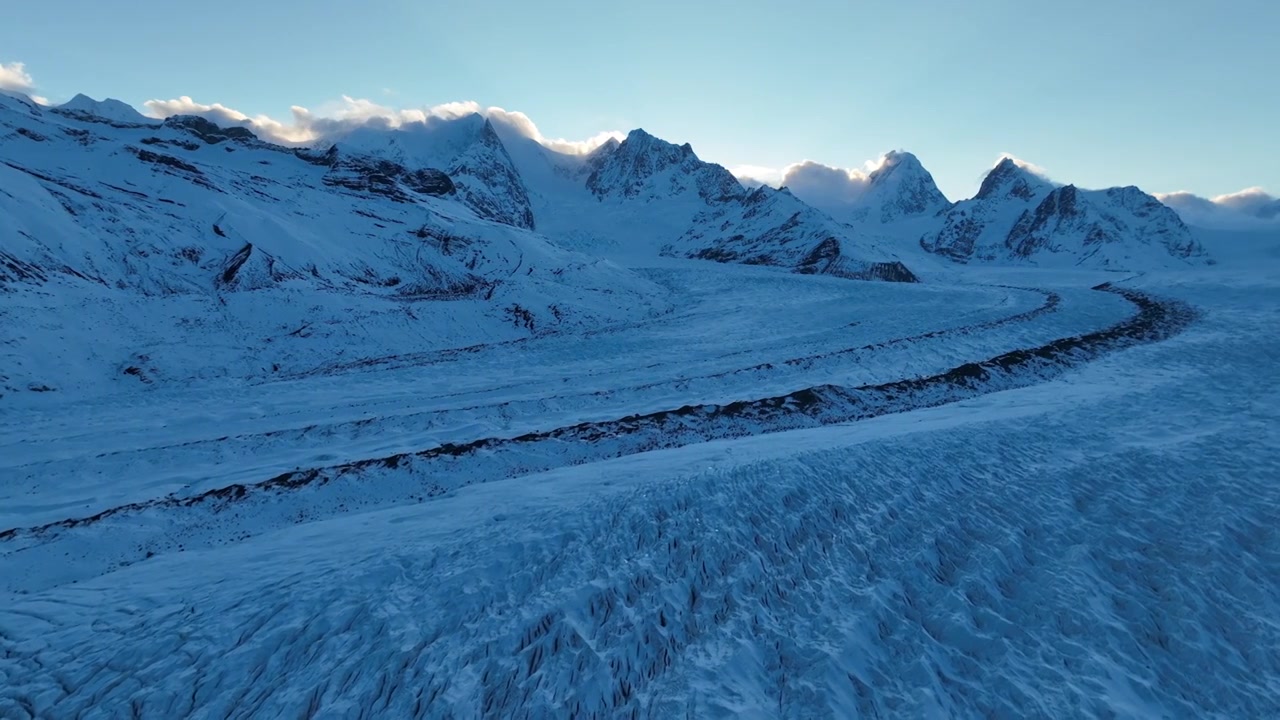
(1171, 95)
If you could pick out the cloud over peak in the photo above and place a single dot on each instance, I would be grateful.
(333, 119)
(15, 78)
(821, 185)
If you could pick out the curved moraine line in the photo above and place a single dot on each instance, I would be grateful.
(1156, 319)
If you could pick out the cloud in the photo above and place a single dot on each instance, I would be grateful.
(15, 78)
(520, 123)
(824, 186)
(757, 175)
(336, 118)
(1248, 208)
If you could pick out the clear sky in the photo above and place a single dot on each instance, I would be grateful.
(1165, 94)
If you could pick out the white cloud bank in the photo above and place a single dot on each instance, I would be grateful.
(1249, 208)
(349, 113)
(818, 184)
(15, 78)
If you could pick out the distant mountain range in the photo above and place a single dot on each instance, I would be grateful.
(299, 257)
(644, 195)
(1017, 216)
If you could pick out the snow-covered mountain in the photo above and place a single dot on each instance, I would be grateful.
(898, 189)
(1018, 216)
(643, 196)
(86, 108)
(142, 242)
(468, 149)
(643, 167)
(773, 227)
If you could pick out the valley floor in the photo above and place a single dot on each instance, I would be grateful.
(1097, 542)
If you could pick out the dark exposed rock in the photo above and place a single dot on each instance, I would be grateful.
(383, 177)
(166, 160)
(208, 131)
(428, 181)
(185, 145)
(13, 269)
(773, 227)
(235, 263)
(1034, 229)
(821, 256)
(819, 405)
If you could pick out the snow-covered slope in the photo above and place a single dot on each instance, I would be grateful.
(1019, 217)
(126, 246)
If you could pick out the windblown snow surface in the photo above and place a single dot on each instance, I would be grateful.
(715, 491)
(1099, 541)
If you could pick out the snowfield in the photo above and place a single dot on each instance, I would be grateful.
(440, 423)
(1103, 542)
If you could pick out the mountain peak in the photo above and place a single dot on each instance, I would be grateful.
(109, 109)
(1010, 179)
(897, 159)
(634, 166)
(900, 166)
(901, 188)
(207, 130)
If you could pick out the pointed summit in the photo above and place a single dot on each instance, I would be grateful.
(644, 165)
(1020, 217)
(901, 188)
(1008, 179)
(897, 162)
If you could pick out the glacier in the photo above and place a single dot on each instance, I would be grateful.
(637, 442)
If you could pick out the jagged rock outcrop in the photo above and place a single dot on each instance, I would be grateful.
(384, 177)
(207, 131)
(645, 167)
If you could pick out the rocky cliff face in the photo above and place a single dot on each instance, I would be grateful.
(645, 167)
